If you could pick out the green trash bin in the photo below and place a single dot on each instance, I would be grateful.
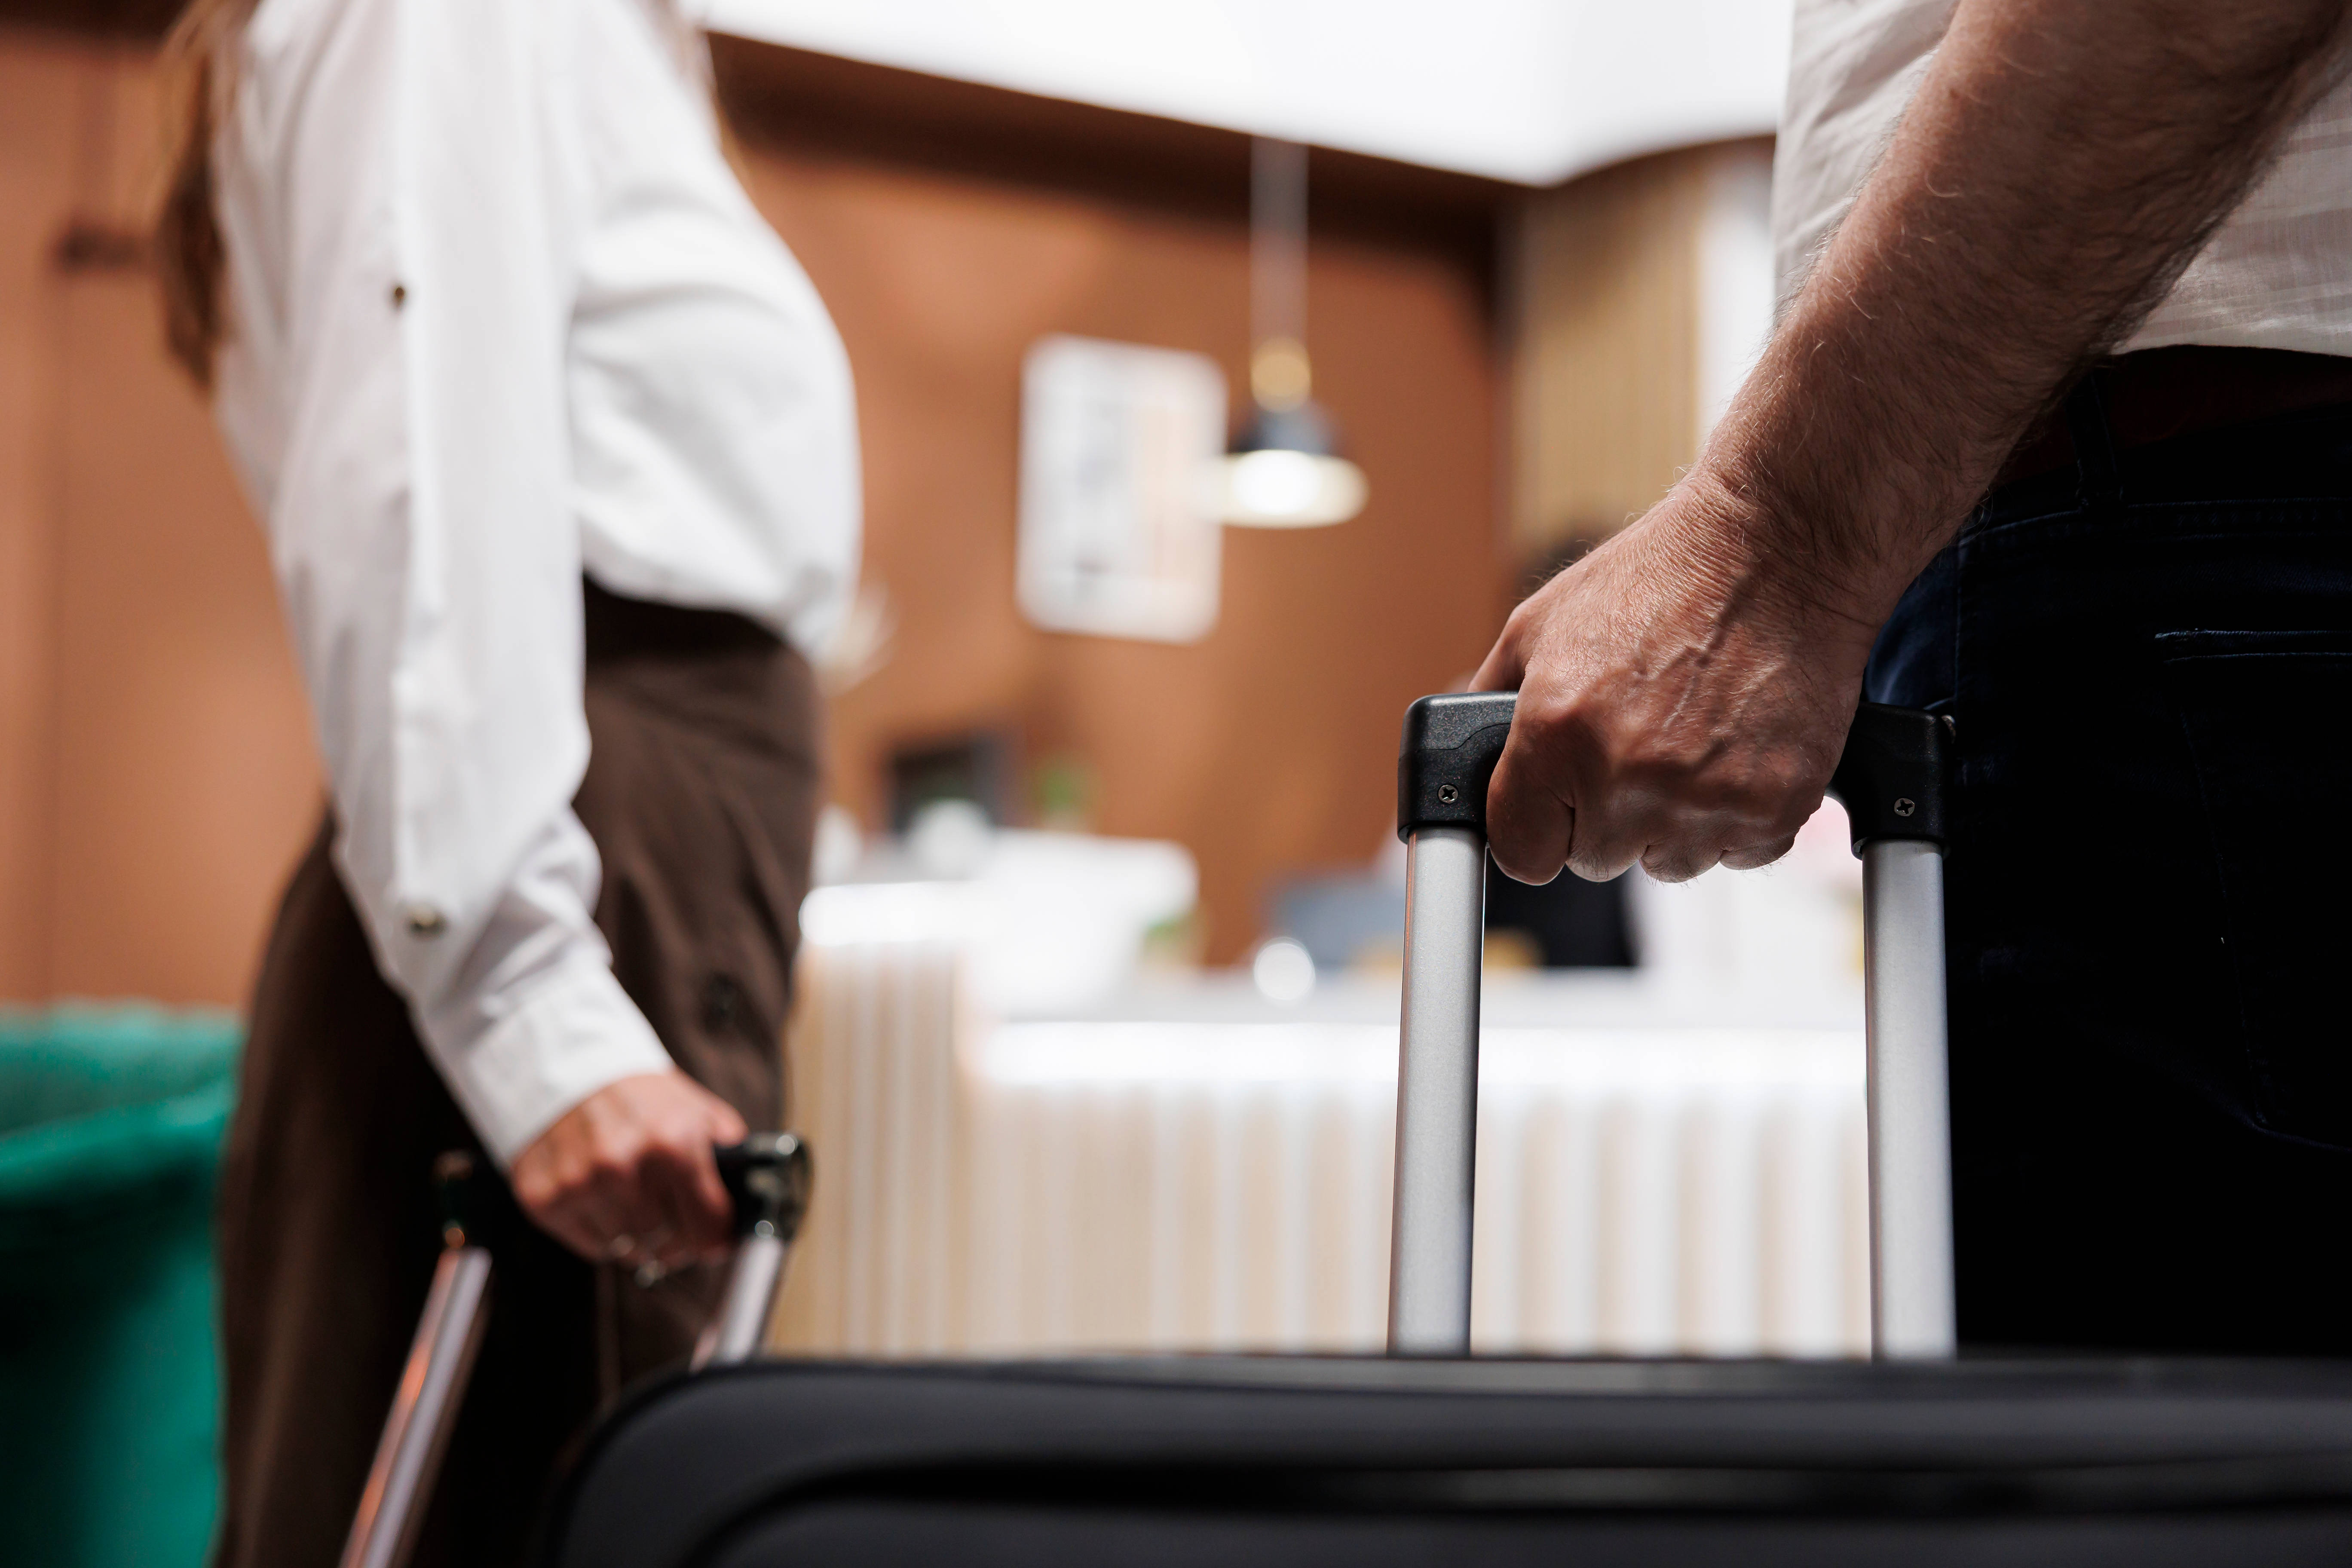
(111, 1127)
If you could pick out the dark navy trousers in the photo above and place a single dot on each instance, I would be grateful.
(2148, 663)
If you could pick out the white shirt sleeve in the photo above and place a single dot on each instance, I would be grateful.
(422, 532)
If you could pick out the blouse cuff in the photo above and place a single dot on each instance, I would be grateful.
(574, 1032)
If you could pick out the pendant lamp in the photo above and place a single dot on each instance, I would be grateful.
(1282, 469)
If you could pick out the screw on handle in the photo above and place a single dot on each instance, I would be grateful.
(770, 1176)
(1893, 775)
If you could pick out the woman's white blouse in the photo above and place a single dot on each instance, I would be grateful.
(501, 314)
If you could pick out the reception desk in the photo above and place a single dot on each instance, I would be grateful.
(1663, 1166)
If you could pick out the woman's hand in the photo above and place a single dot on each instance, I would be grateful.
(1684, 696)
(627, 1175)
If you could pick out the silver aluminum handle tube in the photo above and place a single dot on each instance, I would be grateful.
(741, 1323)
(1437, 1092)
(1911, 1300)
(424, 1411)
(1446, 760)
(1894, 779)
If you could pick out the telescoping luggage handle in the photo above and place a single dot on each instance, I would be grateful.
(433, 1383)
(769, 1176)
(1891, 781)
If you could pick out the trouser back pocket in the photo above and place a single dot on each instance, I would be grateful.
(2268, 716)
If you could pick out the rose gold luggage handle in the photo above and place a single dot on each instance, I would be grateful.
(432, 1385)
(769, 1176)
(1891, 781)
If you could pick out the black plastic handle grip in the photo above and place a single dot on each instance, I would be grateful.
(770, 1176)
(459, 1189)
(1452, 743)
(1891, 777)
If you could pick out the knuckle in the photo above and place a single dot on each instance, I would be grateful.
(1557, 717)
(568, 1179)
(618, 1151)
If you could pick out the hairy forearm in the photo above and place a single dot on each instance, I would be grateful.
(2060, 164)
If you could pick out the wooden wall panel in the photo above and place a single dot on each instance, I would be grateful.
(161, 778)
(40, 83)
(1607, 325)
(186, 780)
(1269, 746)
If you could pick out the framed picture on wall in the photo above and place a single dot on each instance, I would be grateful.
(1119, 531)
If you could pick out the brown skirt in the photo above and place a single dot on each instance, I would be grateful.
(700, 794)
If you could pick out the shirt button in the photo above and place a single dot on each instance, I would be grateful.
(424, 921)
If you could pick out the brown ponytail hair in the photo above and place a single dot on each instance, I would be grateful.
(200, 58)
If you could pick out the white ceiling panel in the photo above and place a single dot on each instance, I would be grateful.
(1533, 91)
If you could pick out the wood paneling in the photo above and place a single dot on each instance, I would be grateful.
(40, 83)
(185, 779)
(158, 772)
(1606, 368)
(1270, 745)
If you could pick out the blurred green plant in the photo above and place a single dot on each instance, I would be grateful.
(110, 1126)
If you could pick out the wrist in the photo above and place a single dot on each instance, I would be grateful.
(1781, 558)
(568, 1034)
(1844, 487)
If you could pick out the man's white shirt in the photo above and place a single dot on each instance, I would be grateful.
(2277, 274)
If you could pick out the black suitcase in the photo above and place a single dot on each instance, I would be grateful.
(1432, 1456)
